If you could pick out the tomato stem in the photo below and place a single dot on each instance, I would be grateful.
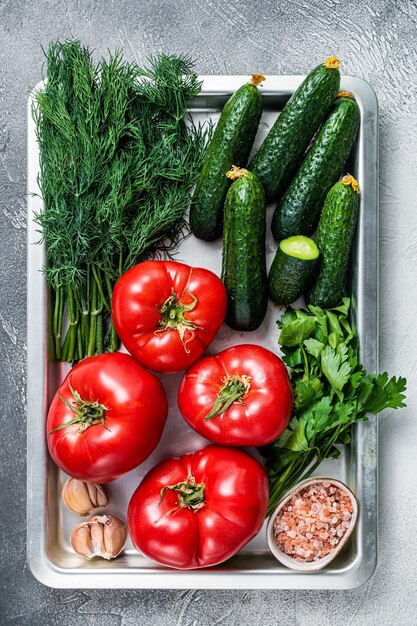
(173, 316)
(87, 413)
(190, 493)
(234, 389)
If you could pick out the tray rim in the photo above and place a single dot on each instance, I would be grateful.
(42, 567)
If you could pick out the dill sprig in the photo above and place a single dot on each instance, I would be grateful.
(117, 166)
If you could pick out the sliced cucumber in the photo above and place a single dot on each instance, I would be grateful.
(292, 268)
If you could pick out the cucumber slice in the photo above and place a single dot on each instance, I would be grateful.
(292, 268)
(300, 247)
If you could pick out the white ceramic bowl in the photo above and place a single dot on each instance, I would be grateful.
(309, 566)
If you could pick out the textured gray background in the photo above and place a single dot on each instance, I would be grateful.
(375, 40)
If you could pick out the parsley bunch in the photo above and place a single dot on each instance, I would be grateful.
(332, 391)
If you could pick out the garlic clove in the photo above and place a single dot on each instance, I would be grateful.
(114, 538)
(96, 529)
(82, 497)
(83, 544)
(97, 495)
(100, 536)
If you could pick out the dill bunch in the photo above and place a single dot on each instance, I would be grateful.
(117, 167)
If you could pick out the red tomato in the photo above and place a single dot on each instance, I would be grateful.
(200, 509)
(118, 411)
(239, 397)
(167, 313)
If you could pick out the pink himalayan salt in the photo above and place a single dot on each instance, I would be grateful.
(313, 522)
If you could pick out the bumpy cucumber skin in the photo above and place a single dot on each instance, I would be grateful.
(282, 151)
(299, 209)
(230, 145)
(288, 277)
(334, 239)
(243, 264)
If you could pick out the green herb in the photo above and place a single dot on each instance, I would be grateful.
(117, 166)
(332, 391)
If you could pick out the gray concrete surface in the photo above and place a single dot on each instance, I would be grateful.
(375, 40)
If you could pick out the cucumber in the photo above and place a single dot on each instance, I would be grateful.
(334, 238)
(243, 263)
(231, 143)
(291, 269)
(279, 156)
(299, 209)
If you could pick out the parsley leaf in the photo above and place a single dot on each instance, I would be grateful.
(385, 394)
(297, 330)
(306, 392)
(335, 369)
(297, 440)
(319, 417)
(313, 347)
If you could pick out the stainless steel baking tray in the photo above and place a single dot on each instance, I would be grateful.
(50, 556)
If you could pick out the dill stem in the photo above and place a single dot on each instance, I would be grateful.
(96, 274)
(93, 320)
(86, 310)
(99, 334)
(51, 330)
(84, 321)
(108, 285)
(99, 324)
(73, 319)
(80, 329)
(80, 350)
(60, 316)
(65, 346)
(113, 339)
(57, 321)
(85, 327)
